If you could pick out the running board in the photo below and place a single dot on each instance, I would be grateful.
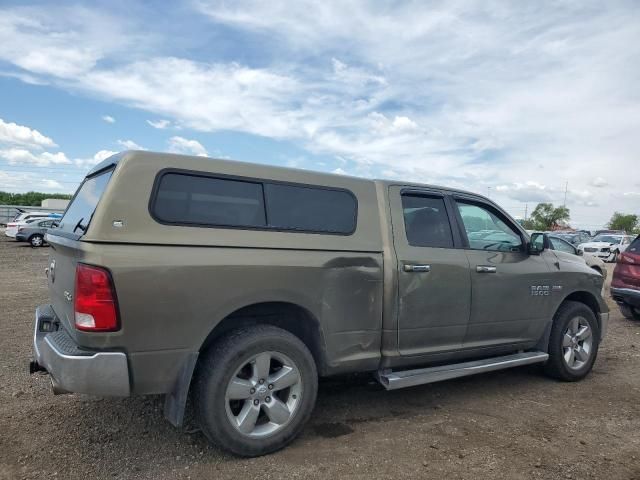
(408, 378)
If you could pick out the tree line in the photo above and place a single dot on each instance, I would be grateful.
(32, 199)
(546, 216)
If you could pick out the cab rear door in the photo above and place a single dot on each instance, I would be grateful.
(434, 287)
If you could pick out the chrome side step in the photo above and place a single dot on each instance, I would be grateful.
(409, 378)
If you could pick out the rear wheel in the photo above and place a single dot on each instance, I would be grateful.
(574, 342)
(36, 240)
(256, 388)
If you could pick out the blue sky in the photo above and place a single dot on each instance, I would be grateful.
(508, 98)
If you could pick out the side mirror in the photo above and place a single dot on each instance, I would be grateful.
(538, 243)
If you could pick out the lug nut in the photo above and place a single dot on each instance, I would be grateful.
(268, 399)
(261, 381)
(252, 391)
(256, 402)
(270, 386)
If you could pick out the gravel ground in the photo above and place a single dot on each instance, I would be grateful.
(513, 424)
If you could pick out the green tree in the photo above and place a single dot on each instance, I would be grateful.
(622, 221)
(33, 199)
(547, 217)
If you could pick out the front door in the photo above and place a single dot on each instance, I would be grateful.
(434, 287)
(512, 290)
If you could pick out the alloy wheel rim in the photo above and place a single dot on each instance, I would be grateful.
(37, 241)
(264, 394)
(577, 343)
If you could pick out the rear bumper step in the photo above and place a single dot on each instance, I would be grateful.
(409, 378)
(73, 369)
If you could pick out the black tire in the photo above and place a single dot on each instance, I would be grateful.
(629, 312)
(36, 240)
(557, 366)
(220, 364)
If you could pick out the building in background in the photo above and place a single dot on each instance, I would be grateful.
(55, 203)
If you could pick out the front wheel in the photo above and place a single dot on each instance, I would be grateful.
(574, 342)
(255, 390)
(36, 240)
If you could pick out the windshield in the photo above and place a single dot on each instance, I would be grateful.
(78, 215)
(607, 238)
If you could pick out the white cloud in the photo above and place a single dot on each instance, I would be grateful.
(160, 124)
(186, 146)
(14, 134)
(52, 184)
(631, 194)
(21, 181)
(97, 158)
(16, 156)
(130, 145)
(108, 119)
(598, 182)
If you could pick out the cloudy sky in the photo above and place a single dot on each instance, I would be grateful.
(510, 99)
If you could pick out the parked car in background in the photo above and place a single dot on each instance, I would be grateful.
(614, 232)
(21, 219)
(559, 244)
(574, 238)
(34, 232)
(607, 246)
(625, 283)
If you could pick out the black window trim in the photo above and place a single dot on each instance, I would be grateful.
(418, 192)
(493, 209)
(262, 182)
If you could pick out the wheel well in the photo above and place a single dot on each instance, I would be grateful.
(288, 316)
(589, 300)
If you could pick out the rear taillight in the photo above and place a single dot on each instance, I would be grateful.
(95, 303)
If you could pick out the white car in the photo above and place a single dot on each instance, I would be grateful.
(22, 219)
(607, 246)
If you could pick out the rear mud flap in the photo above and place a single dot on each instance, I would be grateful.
(175, 401)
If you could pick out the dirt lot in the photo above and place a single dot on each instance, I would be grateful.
(513, 424)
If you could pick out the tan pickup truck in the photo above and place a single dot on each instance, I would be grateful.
(241, 284)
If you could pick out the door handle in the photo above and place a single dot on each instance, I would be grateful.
(486, 269)
(417, 268)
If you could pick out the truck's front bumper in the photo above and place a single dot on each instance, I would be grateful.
(73, 369)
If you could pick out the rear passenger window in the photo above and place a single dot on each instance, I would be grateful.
(310, 209)
(426, 221)
(209, 201)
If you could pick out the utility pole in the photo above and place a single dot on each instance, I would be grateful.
(526, 208)
(566, 187)
(488, 192)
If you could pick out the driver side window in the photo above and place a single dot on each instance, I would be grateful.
(486, 231)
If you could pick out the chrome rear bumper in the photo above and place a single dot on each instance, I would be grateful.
(73, 369)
